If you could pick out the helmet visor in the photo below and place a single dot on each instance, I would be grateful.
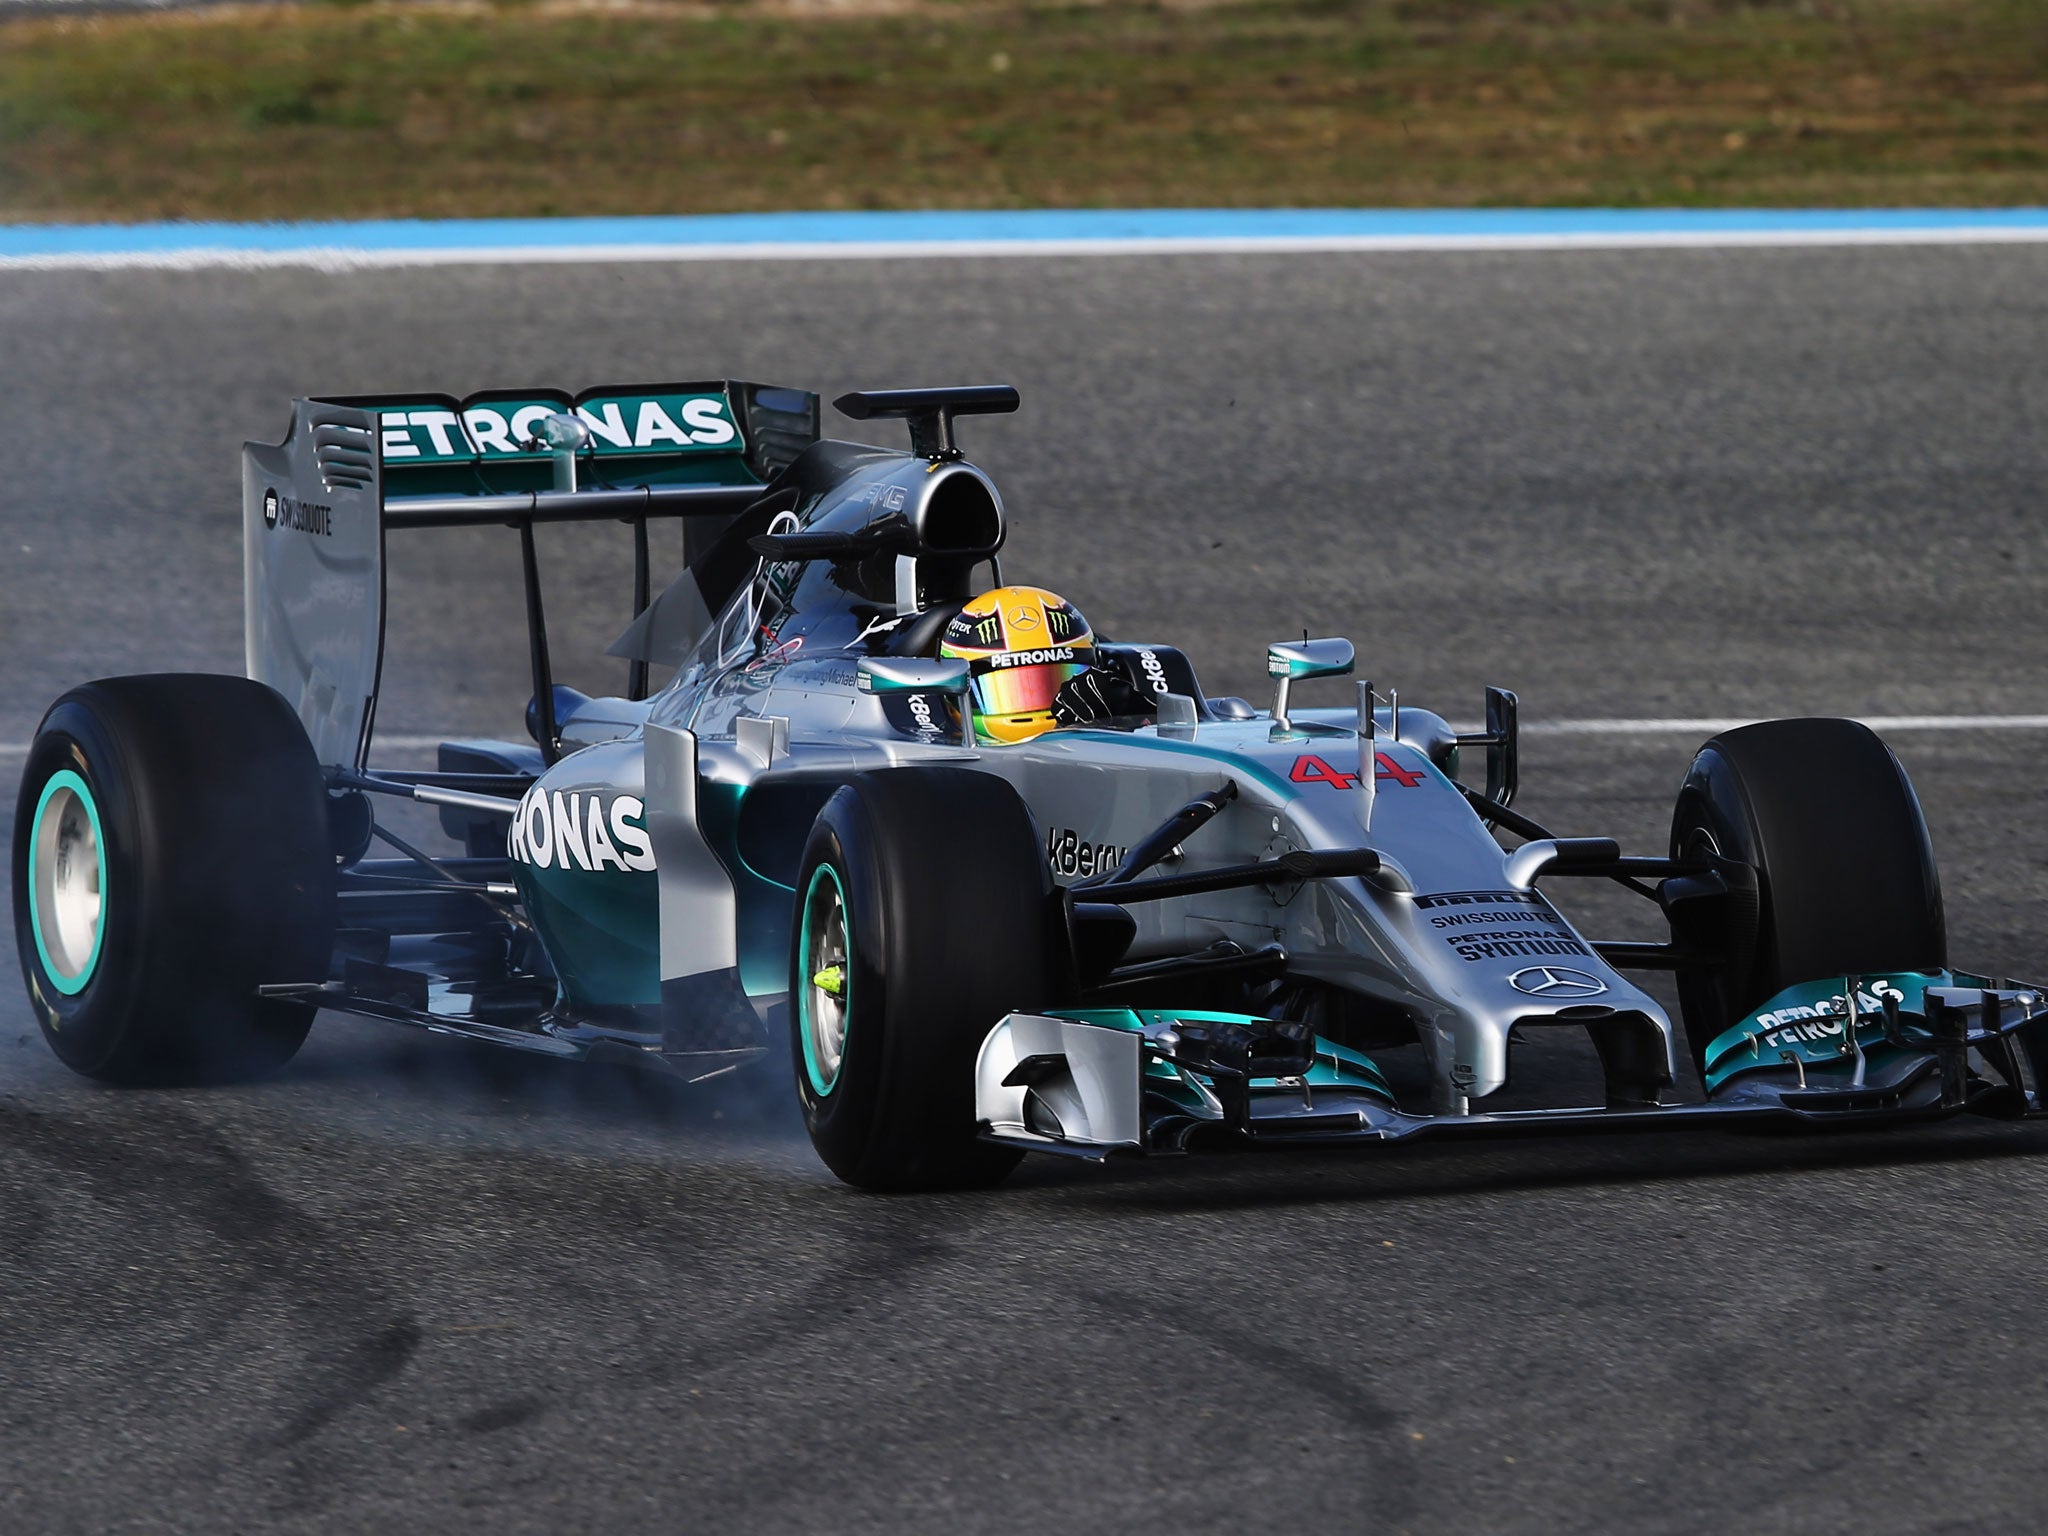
(1023, 690)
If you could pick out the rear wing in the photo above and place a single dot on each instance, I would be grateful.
(316, 508)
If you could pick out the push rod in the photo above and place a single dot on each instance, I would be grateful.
(1169, 835)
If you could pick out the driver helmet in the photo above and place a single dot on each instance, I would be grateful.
(1020, 644)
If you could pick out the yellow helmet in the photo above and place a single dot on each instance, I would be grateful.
(1021, 644)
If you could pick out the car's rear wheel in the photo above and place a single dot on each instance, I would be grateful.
(171, 855)
(1846, 882)
(922, 919)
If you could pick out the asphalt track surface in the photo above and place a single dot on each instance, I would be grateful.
(412, 1284)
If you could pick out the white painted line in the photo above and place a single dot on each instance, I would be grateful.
(341, 259)
(14, 751)
(341, 246)
(1675, 726)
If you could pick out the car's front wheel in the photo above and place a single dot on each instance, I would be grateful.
(1846, 883)
(921, 920)
(171, 855)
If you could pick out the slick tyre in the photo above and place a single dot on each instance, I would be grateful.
(922, 918)
(1846, 883)
(171, 855)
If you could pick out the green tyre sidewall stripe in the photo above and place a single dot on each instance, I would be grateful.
(820, 1084)
(65, 778)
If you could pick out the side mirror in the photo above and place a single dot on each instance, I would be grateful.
(920, 674)
(1291, 659)
(910, 674)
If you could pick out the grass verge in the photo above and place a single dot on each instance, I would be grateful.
(332, 111)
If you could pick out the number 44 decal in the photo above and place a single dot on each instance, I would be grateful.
(1313, 770)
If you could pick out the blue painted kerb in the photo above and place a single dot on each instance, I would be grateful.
(827, 229)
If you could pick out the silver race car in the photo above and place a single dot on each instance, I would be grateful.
(1006, 886)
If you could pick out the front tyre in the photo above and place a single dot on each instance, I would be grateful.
(1846, 883)
(171, 855)
(922, 919)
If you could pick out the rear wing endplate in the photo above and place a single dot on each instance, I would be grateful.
(316, 508)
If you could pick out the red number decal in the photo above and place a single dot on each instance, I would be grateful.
(1387, 768)
(1313, 770)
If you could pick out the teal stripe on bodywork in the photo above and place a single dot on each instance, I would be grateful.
(763, 909)
(1230, 761)
(1222, 760)
(604, 931)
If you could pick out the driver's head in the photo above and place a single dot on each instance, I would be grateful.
(1020, 644)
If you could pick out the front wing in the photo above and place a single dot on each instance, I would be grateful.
(1102, 1082)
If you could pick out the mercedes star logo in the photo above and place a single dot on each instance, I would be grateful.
(1556, 981)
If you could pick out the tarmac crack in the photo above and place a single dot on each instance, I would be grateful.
(163, 1170)
(1354, 1403)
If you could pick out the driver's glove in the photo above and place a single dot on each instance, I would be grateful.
(1098, 694)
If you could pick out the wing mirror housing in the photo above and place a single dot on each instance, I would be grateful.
(920, 674)
(1287, 661)
(911, 674)
(1292, 659)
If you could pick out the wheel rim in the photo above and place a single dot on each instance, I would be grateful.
(67, 882)
(825, 981)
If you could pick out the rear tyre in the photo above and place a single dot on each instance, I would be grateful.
(171, 855)
(1846, 883)
(922, 918)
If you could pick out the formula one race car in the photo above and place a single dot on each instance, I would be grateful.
(988, 923)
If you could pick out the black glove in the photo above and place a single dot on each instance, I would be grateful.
(1097, 694)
